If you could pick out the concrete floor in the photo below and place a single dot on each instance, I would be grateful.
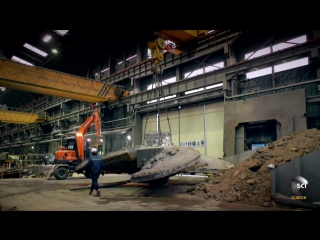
(39, 194)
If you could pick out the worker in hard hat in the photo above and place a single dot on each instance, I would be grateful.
(96, 167)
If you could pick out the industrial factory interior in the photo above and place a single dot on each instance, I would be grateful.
(210, 120)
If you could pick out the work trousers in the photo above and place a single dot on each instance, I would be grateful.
(94, 178)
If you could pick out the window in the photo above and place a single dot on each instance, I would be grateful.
(129, 58)
(214, 67)
(164, 82)
(102, 71)
(200, 71)
(258, 53)
(259, 73)
(15, 58)
(279, 67)
(292, 64)
(206, 69)
(289, 43)
(193, 91)
(215, 86)
(105, 70)
(201, 89)
(194, 73)
(276, 47)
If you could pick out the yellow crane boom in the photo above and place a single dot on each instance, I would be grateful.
(21, 117)
(49, 82)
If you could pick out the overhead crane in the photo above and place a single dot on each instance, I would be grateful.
(14, 75)
(19, 116)
(49, 82)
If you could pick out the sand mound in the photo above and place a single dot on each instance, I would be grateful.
(250, 181)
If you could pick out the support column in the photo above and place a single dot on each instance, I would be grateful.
(315, 53)
(137, 122)
(230, 60)
(178, 78)
(136, 88)
(273, 79)
(124, 59)
(137, 130)
(103, 145)
(228, 50)
(178, 73)
(240, 139)
(139, 53)
(111, 65)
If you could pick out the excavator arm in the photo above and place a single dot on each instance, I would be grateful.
(94, 118)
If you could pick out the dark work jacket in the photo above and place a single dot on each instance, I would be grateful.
(95, 165)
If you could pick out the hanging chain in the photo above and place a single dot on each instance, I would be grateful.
(159, 83)
(165, 103)
(157, 93)
(153, 83)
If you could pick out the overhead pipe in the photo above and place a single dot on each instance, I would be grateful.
(272, 89)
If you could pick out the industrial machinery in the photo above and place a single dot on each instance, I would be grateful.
(19, 116)
(76, 150)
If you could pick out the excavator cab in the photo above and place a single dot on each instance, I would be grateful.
(71, 144)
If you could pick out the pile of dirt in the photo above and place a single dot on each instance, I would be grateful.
(14, 208)
(249, 182)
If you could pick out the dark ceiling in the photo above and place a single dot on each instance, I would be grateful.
(79, 50)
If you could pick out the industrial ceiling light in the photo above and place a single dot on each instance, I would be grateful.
(15, 58)
(54, 50)
(129, 137)
(47, 38)
(36, 50)
(61, 32)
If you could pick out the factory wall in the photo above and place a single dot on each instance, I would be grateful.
(117, 141)
(53, 146)
(192, 123)
(288, 108)
(196, 124)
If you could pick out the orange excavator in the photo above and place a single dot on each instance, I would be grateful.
(76, 150)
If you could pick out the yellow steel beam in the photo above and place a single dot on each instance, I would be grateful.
(49, 82)
(183, 35)
(17, 117)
